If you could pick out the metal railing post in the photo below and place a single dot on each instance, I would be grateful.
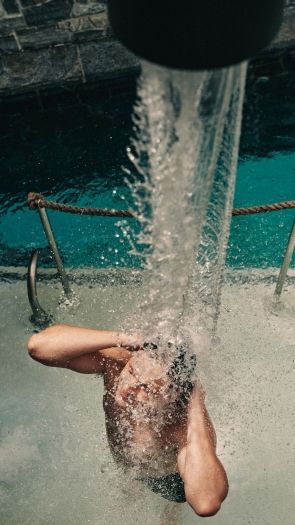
(54, 249)
(286, 262)
(39, 317)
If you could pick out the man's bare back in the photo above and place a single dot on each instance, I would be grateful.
(148, 429)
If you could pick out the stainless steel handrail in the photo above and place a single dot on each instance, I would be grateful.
(55, 251)
(38, 311)
(40, 316)
(286, 262)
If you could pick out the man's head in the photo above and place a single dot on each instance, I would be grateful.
(156, 380)
(182, 371)
(143, 380)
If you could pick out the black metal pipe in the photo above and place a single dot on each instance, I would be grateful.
(195, 34)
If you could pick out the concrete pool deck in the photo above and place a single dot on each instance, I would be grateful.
(55, 463)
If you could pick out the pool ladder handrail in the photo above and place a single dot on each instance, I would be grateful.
(286, 263)
(55, 251)
(40, 316)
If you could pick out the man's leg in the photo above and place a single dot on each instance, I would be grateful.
(204, 477)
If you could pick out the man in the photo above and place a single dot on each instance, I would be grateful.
(156, 421)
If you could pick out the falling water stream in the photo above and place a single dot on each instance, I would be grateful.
(187, 130)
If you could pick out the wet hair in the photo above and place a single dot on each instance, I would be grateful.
(181, 371)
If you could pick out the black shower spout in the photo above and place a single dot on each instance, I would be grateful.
(195, 34)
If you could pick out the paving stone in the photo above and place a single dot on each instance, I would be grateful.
(34, 68)
(107, 58)
(277, 60)
(10, 6)
(87, 35)
(87, 8)
(29, 3)
(8, 44)
(30, 39)
(11, 23)
(98, 22)
(287, 30)
(48, 12)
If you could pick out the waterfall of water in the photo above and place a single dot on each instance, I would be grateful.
(185, 150)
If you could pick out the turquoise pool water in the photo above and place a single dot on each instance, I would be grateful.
(76, 154)
(259, 240)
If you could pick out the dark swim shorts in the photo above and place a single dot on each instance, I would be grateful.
(170, 487)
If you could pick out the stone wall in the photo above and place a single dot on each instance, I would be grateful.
(54, 43)
(279, 58)
(47, 44)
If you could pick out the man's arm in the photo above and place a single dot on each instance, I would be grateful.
(204, 477)
(80, 349)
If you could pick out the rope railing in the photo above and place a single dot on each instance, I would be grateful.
(36, 200)
(262, 208)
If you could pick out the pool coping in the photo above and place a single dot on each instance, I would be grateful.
(121, 276)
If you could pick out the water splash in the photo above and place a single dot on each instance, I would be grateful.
(187, 128)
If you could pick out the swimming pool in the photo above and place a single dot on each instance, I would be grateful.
(77, 154)
(55, 464)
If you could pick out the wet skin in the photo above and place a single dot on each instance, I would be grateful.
(146, 428)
